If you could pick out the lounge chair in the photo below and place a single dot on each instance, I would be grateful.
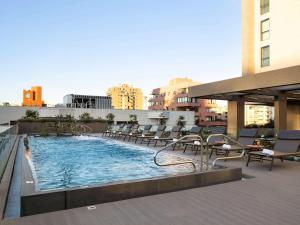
(213, 141)
(110, 130)
(126, 131)
(175, 134)
(287, 145)
(159, 133)
(145, 132)
(246, 138)
(134, 130)
(193, 131)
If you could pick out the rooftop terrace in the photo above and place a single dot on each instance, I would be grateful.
(267, 198)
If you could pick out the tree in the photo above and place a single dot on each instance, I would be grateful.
(133, 118)
(110, 117)
(180, 121)
(31, 114)
(85, 116)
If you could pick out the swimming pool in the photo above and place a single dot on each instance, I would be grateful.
(67, 162)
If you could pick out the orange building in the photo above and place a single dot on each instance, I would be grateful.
(33, 97)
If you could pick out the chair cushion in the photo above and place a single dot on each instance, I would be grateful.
(147, 127)
(246, 140)
(287, 146)
(195, 130)
(161, 128)
(248, 132)
(289, 134)
(176, 128)
(216, 130)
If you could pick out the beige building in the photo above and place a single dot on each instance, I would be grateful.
(174, 87)
(270, 35)
(270, 65)
(126, 97)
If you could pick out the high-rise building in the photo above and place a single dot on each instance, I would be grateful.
(270, 66)
(270, 35)
(87, 101)
(33, 97)
(174, 97)
(126, 97)
(267, 45)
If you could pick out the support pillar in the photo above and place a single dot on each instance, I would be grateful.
(236, 116)
(280, 108)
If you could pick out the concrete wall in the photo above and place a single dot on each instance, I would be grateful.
(248, 37)
(10, 113)
(4, 128)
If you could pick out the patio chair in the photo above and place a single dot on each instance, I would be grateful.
(159, 133)
(213, 141)
(287, 145)
(145, 132)
(134, 130)
(195, 130)
(175, 134)
(110, 130)
(126, 131)
(246, 138)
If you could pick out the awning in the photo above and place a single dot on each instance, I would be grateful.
(262, 87)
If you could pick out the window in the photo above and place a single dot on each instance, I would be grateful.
(264, 6)
(27, 95)
(265, 30)
(265, 56)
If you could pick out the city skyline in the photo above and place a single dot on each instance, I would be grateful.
(84, 48)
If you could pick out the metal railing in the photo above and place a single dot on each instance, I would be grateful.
(7, 140)
(231, 140)
(198, 138)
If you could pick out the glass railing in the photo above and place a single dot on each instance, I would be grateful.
(7, 140)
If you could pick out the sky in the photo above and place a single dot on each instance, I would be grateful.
(87, 46)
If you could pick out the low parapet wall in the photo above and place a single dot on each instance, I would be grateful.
(46, 127)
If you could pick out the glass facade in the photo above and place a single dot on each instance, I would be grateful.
(7, 140)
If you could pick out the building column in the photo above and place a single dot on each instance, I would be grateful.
(236, 116)
(280, 108)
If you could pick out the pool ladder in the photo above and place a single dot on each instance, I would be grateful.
(198, 138)
(230, 140)
(202, 162)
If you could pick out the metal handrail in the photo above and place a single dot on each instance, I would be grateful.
(231, 140)
(181, 163)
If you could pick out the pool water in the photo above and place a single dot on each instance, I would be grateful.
(64, 162)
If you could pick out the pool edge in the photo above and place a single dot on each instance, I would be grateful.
(33, 202)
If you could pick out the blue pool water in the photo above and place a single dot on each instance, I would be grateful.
(63, 162)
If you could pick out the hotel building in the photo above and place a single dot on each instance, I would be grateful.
(126, 97)
(270, 65)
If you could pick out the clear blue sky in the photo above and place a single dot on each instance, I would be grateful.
(86, 46)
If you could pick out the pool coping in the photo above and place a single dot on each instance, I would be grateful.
(36, 202)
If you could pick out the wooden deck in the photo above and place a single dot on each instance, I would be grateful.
(269, 198)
